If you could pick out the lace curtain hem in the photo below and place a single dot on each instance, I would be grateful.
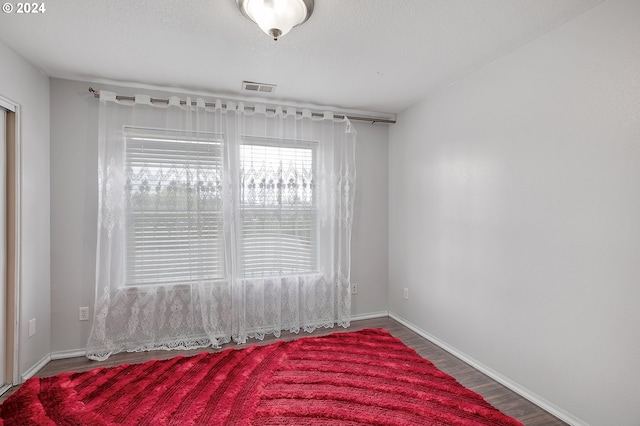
(163, 317)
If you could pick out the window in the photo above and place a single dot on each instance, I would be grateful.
(209, 227)
(173, 201)
(278, 208)
(174, 208)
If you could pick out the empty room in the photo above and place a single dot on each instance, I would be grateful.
(289, 212)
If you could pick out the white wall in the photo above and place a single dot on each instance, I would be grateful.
(515, 216)
(74, 202)
(25, 85)
(369, 239)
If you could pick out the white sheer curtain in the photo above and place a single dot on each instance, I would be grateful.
(218, 223)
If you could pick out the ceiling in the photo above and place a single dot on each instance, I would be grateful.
(367, 55)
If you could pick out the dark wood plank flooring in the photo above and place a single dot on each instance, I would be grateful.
(496, 394)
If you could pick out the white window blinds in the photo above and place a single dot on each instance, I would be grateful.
(277, 208)
(173, 201)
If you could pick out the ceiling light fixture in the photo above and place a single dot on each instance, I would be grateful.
(276, 17)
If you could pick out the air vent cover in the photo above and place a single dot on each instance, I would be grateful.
(252, 86)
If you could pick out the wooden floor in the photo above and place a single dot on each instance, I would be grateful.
(499, 396)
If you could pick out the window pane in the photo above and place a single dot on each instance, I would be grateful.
(277, 209)
(173, 192)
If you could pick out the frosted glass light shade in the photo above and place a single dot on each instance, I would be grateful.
(276, 17)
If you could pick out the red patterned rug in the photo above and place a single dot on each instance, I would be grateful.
(366, 377)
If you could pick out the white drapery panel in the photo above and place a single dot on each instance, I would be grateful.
(219, 223)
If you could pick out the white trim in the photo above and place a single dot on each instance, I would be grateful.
(4, 388)
(4, 249)
(36, 367)
(371, 315)
(517, 388)
(8, 104)
(17, 244)
(68, 354)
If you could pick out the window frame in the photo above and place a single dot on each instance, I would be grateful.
(287, 143)
(152, 135)
(180, 137)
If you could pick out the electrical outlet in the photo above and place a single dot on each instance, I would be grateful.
(83, 314)
(405, 293)
(354, 288)
(32, 327)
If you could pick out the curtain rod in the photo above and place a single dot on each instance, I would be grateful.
(96, 94)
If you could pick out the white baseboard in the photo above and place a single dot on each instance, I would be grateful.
(68, 354)
(50, 357)
(36, 367)
(520, 390)
(4, 388)
(371, 315)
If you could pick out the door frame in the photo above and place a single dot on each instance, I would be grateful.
(13, 203)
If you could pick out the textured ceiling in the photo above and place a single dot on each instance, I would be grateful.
(372, 55)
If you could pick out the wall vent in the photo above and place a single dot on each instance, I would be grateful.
(252, 86)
